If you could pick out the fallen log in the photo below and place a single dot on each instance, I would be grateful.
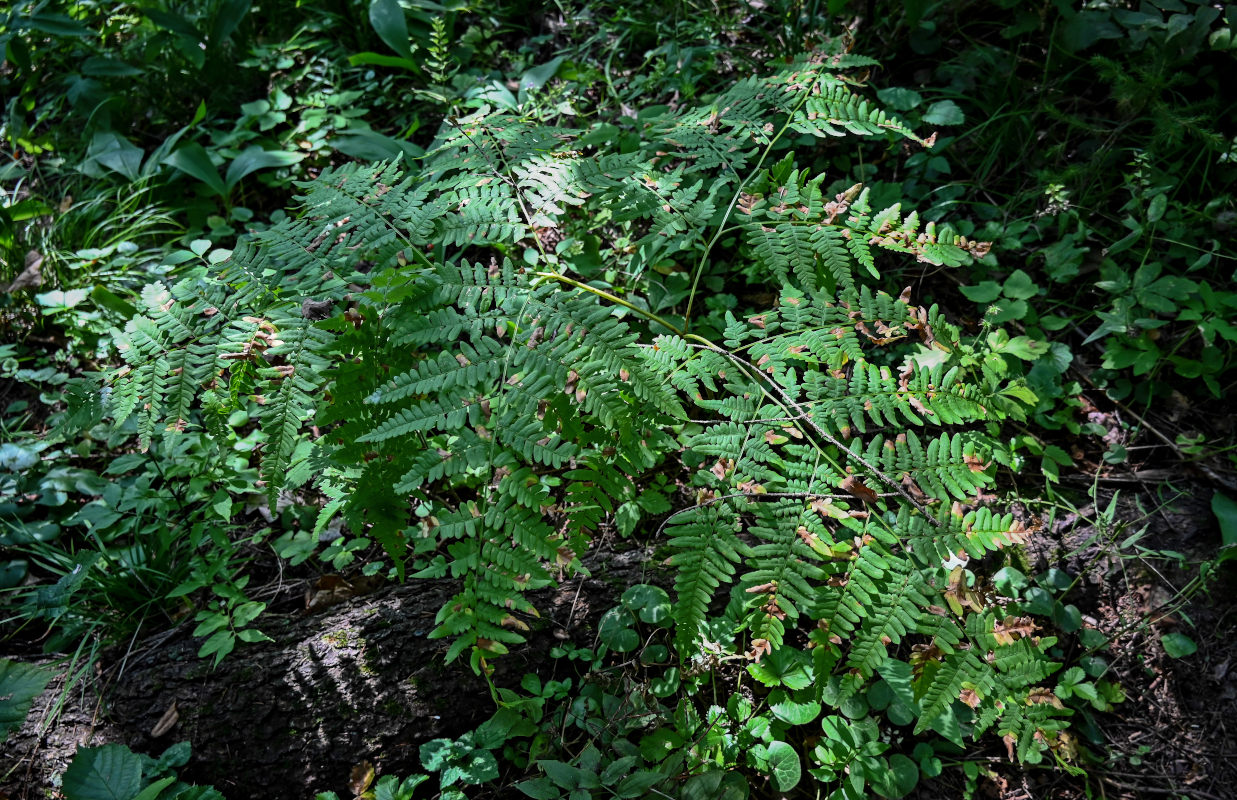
(286, 719)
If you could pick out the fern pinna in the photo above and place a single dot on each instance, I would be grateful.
(419, 349)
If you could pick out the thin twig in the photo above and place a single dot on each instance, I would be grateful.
(761, 496)
(747, 366)
(1163, 437)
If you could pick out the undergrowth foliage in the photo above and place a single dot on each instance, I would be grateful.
(424, 358)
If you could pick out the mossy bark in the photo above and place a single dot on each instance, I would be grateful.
(287, 719)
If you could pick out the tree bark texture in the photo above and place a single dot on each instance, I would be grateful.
(358, 682)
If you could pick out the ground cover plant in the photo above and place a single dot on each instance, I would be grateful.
(725, 292)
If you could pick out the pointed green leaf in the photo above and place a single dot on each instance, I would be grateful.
(193, 160)
(1157, 207)
(382, 60)
(20, 684)
(152, 791)
(791, 711)
(1225, 509)
(387, 17)
(255, 158)
(944, 112)
(1178, 645)
(537, 77)
(55, 24)
(230, 14)
(716, 785)
(109, 68)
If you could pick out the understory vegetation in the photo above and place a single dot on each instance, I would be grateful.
(837, 313)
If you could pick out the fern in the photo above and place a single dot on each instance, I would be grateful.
(707, 550)
(295, 373)
(783, 569)
(165, 365)
(809, 408)
(496, 414)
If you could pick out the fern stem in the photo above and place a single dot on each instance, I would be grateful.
(785, 402)
(612, 298)
(738, 192)
(761, 496)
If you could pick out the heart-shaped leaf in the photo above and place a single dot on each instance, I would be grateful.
(784, 766)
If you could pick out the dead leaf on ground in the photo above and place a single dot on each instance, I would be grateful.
(361, 777)
(166, 722)
(329, 590)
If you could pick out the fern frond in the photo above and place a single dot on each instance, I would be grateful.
(492, 417)
(975, 533)
(834, 109)
(784, 568)
(948, 467)
(502, 558)
(594, 490)
(944, 680)
(461, 453)
(787, 250)
(289, 387)
(477, 362)
(890, 593)
(706, 551)
(481, 215)
(165, 364)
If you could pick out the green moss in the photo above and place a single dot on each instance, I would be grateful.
(365, 663)
(344, 637)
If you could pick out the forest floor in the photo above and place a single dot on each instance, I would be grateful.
(352, 676)
(1169, 738)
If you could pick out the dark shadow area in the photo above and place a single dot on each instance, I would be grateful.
(359, 682)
